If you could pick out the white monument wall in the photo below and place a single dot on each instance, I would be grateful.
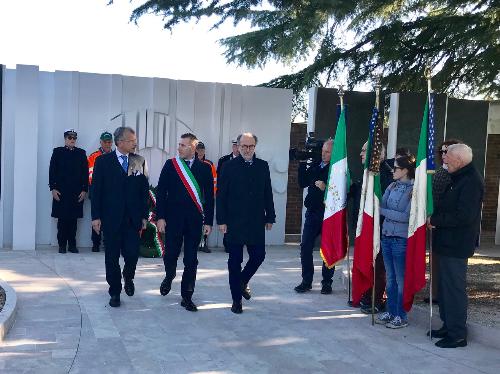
(38, 106)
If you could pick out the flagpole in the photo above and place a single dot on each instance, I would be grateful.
(341, 97)
(428, 76)
(377, 104)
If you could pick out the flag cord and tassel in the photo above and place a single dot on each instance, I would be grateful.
(377, 105)
(428, 76)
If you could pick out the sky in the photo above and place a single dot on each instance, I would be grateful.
(90, 36)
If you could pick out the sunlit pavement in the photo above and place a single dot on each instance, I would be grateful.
(64, 323)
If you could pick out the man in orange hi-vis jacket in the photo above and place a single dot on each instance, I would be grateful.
(200, 151)
(106, 141)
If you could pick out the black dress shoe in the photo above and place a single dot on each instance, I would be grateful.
(448, 342)
(95, 248)
(129, 287)
(326, 289)
(73, 249)
(165, 286)
(114, 301)
(301, 288)
(245, 291)
(440, 334)
(237, 308)
(205, 249)
(189, 305)
(62, 249)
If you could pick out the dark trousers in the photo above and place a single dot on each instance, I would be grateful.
(96, 238)
(126, 242)
(190, 233)
(238, 277)
(453, 295)
(66, 232)
(312, 228)
(380, 283)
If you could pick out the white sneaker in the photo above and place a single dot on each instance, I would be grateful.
(384, 318)
(397, 323)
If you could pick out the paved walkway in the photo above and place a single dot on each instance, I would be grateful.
(64, 324)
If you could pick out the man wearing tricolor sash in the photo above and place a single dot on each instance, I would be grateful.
(185, 211)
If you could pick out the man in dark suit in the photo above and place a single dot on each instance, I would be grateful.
(68, 182)
(185, 212)
(245, 208)
(223, 160)
(120, 192)
(456, 220)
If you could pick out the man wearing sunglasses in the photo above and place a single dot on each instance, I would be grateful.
(68, 182)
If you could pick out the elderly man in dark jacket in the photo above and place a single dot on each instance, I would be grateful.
(69, 183)
(245, 208)
(456, 220)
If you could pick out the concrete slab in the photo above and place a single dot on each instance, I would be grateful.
(65, 325)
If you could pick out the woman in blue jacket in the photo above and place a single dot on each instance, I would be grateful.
(395, 207)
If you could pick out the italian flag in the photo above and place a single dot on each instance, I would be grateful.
(367, 242)
(333, 246)
(421, 207)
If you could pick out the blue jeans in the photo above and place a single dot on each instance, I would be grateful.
(394, 252)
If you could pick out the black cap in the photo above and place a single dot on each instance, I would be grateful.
(200, 145)
(106, 136)
(68, 132)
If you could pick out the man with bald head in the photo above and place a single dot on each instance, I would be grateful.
(456, 221)
(245, 209)
(313, 175)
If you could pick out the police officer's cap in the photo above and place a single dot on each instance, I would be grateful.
(70, 132)
(200, 145)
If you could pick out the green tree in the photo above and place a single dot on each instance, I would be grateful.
(355, 40)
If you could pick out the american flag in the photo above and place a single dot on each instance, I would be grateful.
(369, 146)
(377, 147)
(431, 166)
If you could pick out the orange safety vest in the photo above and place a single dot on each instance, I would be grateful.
(91, 160)
(214, 172)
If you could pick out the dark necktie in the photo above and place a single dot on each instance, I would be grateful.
(124, 162)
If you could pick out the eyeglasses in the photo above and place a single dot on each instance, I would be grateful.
(71, 137)
(247, 147)
(443, 151)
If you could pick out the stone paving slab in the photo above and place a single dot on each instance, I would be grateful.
(64, 324)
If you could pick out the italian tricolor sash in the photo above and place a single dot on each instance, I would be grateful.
(189, 181)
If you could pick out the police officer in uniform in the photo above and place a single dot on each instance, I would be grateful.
(69, 183)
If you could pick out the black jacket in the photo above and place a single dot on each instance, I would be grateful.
(119, 196)
(458, 215)
(222, 161)
(245, 201)
(173, 201)
(307, 176)
(68, 173)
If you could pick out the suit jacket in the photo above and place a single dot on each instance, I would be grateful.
(68, 173)
(118, 196)
(173, 202)
(245, 201)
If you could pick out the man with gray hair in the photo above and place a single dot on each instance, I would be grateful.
(456, 220)
(120, 192)
(245, 209)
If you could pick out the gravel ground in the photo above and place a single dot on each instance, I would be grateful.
(483, 288)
